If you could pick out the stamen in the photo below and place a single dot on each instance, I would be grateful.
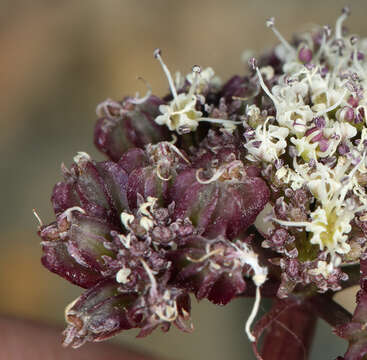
(291, 223)
(161, 176)
(196, 70)
(325, 34)
(37, 217)
(333, 107)
(339, 22)
(153, 282)
(68, 212)
(103, 108)
(206, 256)
(343, 191)
(220, 121)
(270, 24)
(177, 151)
(137, 100)
(265, 88)
(174, 139)
(67, 310)
(215, 177)
(157, 55)
(253, 314)
(356, 63)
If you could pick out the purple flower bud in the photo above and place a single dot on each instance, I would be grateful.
(353, 101)
(279, 237)
(320, 122)
(347, 114)
(323, 144)
(323, 71)
(360, 116)
(305, 55)
(238, 86)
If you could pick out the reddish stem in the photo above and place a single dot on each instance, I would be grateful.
(290, 334)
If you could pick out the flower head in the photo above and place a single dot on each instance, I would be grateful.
(220, 190)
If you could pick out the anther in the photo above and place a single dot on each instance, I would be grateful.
(252, 63)
(353, 40)
(327, 30)
(196, 69)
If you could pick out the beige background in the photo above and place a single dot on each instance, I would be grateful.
(58, 59)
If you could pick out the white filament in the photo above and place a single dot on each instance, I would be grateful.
(172, 87)
(253, 314)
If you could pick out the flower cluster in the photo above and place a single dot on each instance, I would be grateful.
(220, 189)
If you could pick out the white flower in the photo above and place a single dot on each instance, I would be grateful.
(269, 142)
(330, 222)
(180, 115)
(291, 111)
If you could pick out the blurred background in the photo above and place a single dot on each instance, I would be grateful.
(58, 60)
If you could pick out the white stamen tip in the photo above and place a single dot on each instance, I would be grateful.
(252, 63)
(346, 10)
(327, 30)
(270, 22)
(196, 69)
(157, 53)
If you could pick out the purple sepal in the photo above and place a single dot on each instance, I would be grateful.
(133, 159)
(98, 314)
(221, 207)
(99, 188)
(74, 248)
(58, 260)
(145, 181)
(133, 126)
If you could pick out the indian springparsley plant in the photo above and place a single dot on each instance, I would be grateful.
(255, 186)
